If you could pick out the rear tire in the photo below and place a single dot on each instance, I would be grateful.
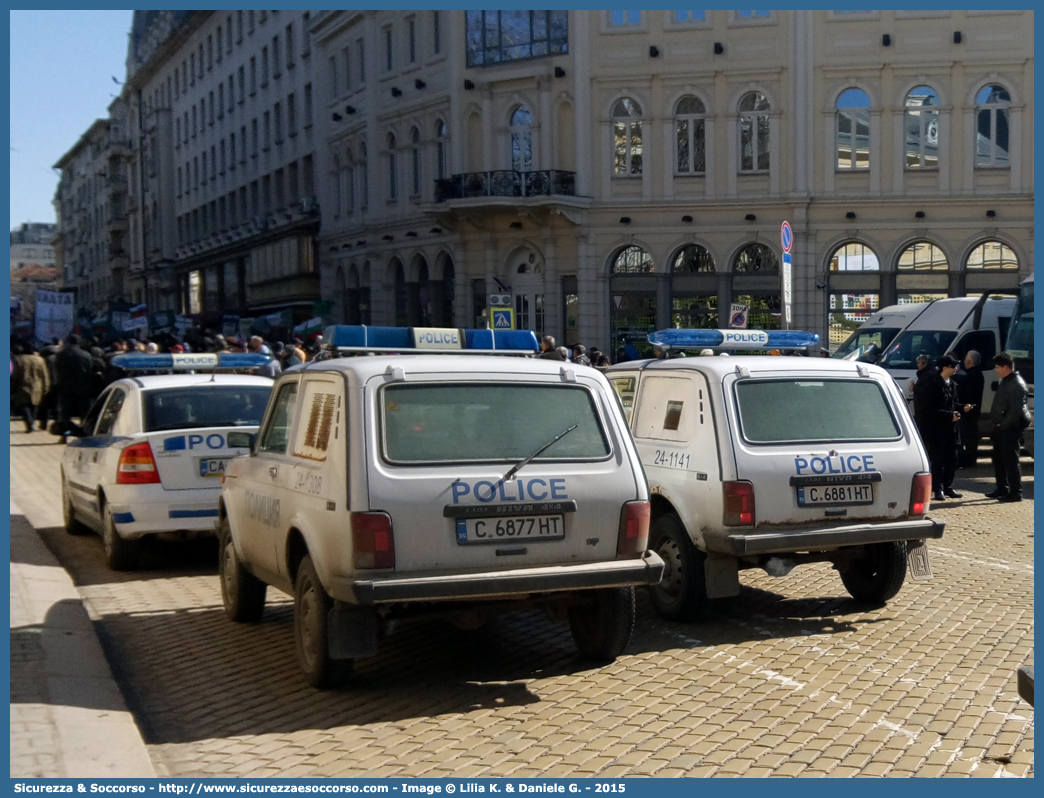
(682, 593)
(603, 629)
(73, 525)
(312, 630)
(121, 554)
(242, 593)
(879, 575)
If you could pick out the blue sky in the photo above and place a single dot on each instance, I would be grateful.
(62, 65)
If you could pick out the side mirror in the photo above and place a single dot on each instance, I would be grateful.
(241, 440)
(994, 385)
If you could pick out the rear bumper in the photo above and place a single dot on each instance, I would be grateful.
(785, 541)
(616, 573)
(139, 510)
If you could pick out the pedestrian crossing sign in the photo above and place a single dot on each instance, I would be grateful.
(503, 318)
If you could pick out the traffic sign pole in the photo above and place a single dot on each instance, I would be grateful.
(786, 238)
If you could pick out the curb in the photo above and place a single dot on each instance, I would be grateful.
(79, 706)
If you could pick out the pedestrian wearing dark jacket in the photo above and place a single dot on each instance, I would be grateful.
(922, 383)
(944, 412)
(73, 368)
(970, 383)
(548, 350)
(48, 408)
(1009, 416)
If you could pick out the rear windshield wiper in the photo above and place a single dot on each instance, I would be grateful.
(525, 460)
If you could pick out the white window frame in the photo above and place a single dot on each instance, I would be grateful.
(753, 115)
(671, 21)
(850, 113)
(993, 108)
(736, 21)
(629, 124)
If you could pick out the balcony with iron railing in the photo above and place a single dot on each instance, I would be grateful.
(506, 183)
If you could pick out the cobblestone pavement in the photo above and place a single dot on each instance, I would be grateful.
(793, 678)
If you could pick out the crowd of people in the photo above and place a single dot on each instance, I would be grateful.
(58, 382)
(947, 409)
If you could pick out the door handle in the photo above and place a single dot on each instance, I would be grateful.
(273, 471)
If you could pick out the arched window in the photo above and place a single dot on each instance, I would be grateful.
(632, 260)
(853, 130)
(440, 148)
(992, 256)
(852, 298)
(923, 256)
(416, 163)
(692, 258)
(393, 170)
(754, 132)
(992, 106)
(854, 257)
(627, 138)
(689, 136)
(922, 128)
(756, 258)
(521, 139)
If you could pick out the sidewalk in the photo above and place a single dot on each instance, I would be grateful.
(68, 718)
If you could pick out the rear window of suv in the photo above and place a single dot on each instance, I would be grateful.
(482, 422)
(205, 406)
(820, 410)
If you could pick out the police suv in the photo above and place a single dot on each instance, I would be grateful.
(149, 454)
(772, 462)
(455, 484)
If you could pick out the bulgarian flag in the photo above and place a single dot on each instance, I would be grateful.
(101, 324)
(310, 329)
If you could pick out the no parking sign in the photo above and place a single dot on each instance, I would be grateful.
(786, 238)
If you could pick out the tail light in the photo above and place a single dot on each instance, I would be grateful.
(137, 466)
(920, 494)
(634, 528)
(739, 504)
(372, 543)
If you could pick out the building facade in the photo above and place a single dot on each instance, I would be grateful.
(623, 171)
(32, 244)
(223, 105)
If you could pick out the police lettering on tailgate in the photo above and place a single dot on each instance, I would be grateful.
(517, 490)
(835, 464)
(212, 440)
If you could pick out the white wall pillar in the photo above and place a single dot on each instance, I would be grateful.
(583, 105)
(944, 150)
(1015, 147)
(709, 159)
(898, 150)
(488, 153)
(732, 166)
(775, 154)
(969, 151)
(829, 151)
(875, 152)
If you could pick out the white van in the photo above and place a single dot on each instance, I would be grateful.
(943, 327)
(774, 462)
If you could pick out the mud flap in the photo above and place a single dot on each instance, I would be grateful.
(352, 631)
(722, 575)
(917, 559)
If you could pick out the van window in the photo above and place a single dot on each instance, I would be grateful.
(903, 351)
(276, 435)
(820, 410)
(489, 422)
(670, 409)
(624, 388)
(866, 346)
(982, 341)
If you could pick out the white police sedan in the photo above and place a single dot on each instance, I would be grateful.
(151, 451)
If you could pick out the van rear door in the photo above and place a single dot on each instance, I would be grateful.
(818, 447)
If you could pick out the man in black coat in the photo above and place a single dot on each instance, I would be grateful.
(970, 384)
(1009, 416)
(74, 369)
(48, 410)
(944, 410)
(922, 383)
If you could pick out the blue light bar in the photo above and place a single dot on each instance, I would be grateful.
(362, 338)
(190, 361)
(733, 339)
